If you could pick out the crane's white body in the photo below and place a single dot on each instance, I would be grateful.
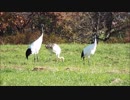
(35, 46)
(55, 48)
(89, 50)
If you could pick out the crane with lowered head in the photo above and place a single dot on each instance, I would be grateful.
(55, 48)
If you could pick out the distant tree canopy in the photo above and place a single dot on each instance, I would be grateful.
(70, 26)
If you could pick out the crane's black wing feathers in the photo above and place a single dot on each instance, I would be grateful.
(28, 52)
(82, 54)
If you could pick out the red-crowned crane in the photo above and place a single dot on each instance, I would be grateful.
(55, 48)
(90, 49)
(35, 46)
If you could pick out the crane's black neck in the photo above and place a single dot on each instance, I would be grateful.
(95, 39)
(42, 25)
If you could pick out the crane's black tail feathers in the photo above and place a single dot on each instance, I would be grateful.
(82, 55)
(28, 52)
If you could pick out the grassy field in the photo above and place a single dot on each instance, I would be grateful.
(109, 66)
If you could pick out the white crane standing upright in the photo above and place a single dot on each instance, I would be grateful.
(90, 49)
(55, 48)
(35, 46)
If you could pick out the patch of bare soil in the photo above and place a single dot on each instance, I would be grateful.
(116, 81)
(18, 67)
(41, 68)
(72, 69)
(2, 67)
(13, 67)
(119, 71)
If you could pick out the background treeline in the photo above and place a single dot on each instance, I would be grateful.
(64, 27)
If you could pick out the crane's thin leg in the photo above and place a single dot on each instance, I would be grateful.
(37, 57)
(34, 57)
(50, 56)
(84, 60)
(88, 62)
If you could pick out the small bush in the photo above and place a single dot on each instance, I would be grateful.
(127, 37)
(53, 38)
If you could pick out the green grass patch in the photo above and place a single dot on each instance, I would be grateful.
(109, 66)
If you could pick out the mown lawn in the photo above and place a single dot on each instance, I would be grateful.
(109, 66)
